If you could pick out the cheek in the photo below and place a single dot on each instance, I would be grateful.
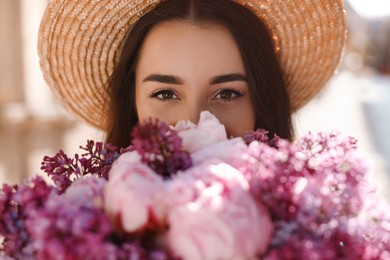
(140, 105)
(149, 108)
(236, 127)
(144, 106)
(145, 109)
(237, 121)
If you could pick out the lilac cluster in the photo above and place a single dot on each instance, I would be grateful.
(259, 135)
(73, 218)
(38, 220)
(314, 190)
(319, 197)
(97, 159)
(17, 203)
(39, 223)
(75, 226)
(160, 147)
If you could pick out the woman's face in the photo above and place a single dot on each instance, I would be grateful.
(184, 69)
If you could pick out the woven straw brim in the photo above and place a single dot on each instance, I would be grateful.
(80, 40)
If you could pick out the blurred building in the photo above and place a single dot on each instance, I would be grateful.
(32, 124)
(369, 29)
(369, 35)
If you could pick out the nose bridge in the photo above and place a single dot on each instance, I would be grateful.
(194, 108)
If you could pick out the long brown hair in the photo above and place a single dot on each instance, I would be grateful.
(265, 78)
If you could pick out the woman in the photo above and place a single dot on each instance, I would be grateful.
(251, 63)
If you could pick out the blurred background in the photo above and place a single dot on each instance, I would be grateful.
(356, 101)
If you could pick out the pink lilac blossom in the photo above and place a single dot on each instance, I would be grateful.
(320, 185)
(259, 135)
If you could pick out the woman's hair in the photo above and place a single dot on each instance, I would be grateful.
(264, 76)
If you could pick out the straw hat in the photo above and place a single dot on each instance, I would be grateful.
(80, 40)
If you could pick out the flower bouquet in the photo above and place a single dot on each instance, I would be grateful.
(189, 192)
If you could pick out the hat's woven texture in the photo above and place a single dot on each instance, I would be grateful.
(80, 40)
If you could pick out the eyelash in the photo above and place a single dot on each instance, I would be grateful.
(231, 90)
(163, 91)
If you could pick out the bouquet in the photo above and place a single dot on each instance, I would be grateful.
(189, 192)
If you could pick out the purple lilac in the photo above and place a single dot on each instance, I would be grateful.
(74, 225)
(259, 135)
(160, 147)
(16, 205)
(63, 170)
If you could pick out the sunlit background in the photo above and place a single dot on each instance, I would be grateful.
(355, 102)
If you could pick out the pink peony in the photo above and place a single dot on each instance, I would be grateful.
(232, 152)
(130, 192)
(178, 191)
(208, 208)
(208, 140)
(222, 221)
(197, 233)
(208, 131)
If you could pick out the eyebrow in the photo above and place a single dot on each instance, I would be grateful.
(176, 80)
(227, 78)
(167, 79)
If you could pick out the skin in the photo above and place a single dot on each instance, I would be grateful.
(185, 68)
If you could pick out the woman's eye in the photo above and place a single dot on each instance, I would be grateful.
(164, 94)
(228, 94)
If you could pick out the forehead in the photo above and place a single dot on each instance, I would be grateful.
(181, 43)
